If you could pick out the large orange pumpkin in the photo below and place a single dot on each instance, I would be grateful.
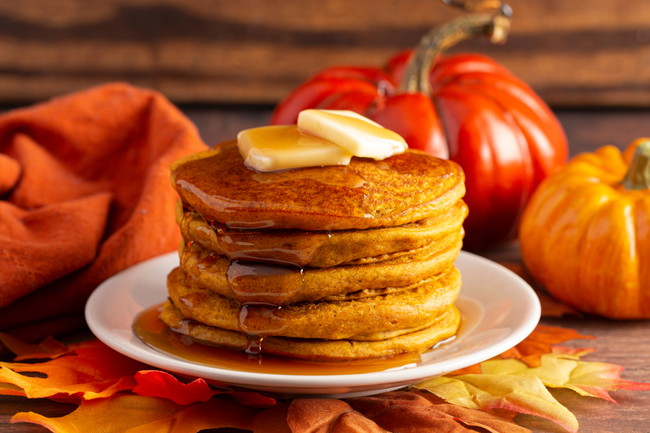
(585, 234)
(465, 107)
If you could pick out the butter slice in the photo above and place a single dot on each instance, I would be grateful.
(282, 147)
(358, 135)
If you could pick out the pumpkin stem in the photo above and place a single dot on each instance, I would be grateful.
(495, 25)
(638, 173)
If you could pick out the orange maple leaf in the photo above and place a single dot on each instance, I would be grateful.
(46, 349)
(86, 370)
(544, 339)
(541, 341)
(136, 414)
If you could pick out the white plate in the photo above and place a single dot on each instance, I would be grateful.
(499, 310)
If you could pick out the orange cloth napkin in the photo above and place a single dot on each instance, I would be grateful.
(85, 193)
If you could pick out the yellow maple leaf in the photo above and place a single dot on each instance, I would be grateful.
(516, 393)
(513, 385)
(587, 378)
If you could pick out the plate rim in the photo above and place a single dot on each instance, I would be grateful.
(139, 351)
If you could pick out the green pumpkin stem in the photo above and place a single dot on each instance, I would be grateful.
(638, 173)
(438, 40)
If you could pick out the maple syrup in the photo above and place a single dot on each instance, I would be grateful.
(280, 282)
(250, 245)
(154, 333)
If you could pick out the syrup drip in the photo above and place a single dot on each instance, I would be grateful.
(154, 333)
(253, 245)
(249, 245)
(278, 282)
(254, 345)
(250, 313)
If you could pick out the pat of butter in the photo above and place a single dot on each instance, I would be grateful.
(282, 147)
(357, 134)
(321, 137)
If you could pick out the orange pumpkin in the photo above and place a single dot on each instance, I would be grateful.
(585, 234)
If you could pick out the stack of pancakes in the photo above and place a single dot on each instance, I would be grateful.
(326, 263)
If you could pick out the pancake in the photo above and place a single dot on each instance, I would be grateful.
(319, 248)
(419, 341)
(249, 281)
(364, 194)
(367, 319)
(327, 263)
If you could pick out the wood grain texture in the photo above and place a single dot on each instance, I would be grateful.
(577, 53)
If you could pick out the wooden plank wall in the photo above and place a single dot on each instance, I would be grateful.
(586, 53)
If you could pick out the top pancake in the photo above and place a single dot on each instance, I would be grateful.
(365, 194)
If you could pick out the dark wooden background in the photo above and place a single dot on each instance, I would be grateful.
(577, 53)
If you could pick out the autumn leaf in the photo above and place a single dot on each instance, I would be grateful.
(419, 412)
(512, 385)
(592, 379)
(156, 383)
(88, 371)
(544, 339)
(572, 352)
(137, 414)
(496, 384)
(400, 411)
(47, 349)
(519, 394)
(327, 415)
(92, 370)
(541, 341)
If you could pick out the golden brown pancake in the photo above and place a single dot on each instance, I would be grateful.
(364, 194)
(316, 349)
(249, 281)
(337, 262)
(319, 248)
(373, 318)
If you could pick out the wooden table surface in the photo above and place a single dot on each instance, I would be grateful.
(626, 343)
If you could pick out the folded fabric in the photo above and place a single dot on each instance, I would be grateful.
(85, 193)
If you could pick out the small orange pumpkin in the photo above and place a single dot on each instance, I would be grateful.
(585, 234)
